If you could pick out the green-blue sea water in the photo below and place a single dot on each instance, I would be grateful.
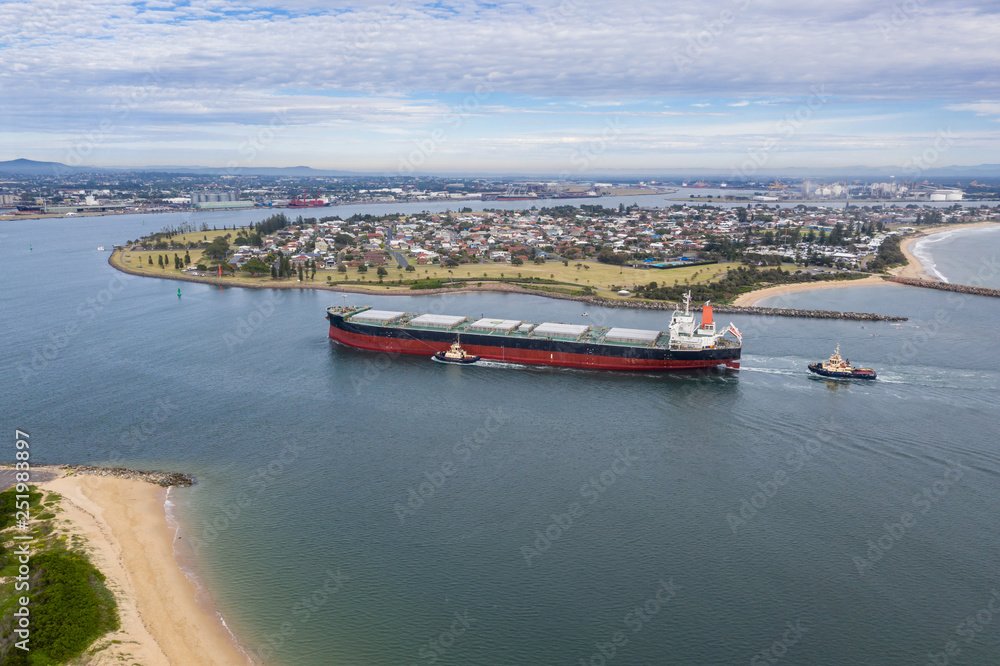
(356, 508)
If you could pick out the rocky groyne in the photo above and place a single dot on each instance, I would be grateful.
(165, 479)
(947, 286)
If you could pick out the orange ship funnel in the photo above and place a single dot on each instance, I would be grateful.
(706, 316)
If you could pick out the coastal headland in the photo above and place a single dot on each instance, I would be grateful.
(118, 515)
(737, 308)
(565, 285)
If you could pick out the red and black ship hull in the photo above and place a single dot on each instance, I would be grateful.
(535, 351)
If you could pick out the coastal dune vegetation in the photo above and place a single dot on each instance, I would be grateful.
(70, 606)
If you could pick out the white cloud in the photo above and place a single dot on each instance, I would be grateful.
(395, 68)
(981, 108)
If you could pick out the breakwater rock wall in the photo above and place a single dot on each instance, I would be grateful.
(947, 286)
(816, 314)
(165, 479)
(751, 310)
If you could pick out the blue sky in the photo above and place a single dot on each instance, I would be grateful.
(572, 87)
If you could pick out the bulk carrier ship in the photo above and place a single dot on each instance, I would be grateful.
(685, 344)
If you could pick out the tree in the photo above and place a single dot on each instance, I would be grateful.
(343, 269)
(150, 260)
(301, 273)
(218, 248)
(187, 258)
(313, 276)
(609, 256)
(381, 272)
(410, 268)
(255, 265)
(274, 271)
(517, 260)
(362, 268)
(159, 260)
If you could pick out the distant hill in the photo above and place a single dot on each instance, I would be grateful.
(25, 167)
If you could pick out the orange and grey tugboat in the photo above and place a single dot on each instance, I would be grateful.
(839, 368)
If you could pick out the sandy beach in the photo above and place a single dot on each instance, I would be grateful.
(128, 539)
(753, 297)
(913, 269)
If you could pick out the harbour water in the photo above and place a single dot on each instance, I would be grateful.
(356, 508)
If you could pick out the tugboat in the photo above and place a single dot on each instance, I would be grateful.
(455, 355)
(839, 368)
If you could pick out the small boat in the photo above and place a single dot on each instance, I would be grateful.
(839, 368)
(455, 355)
(100, 248)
